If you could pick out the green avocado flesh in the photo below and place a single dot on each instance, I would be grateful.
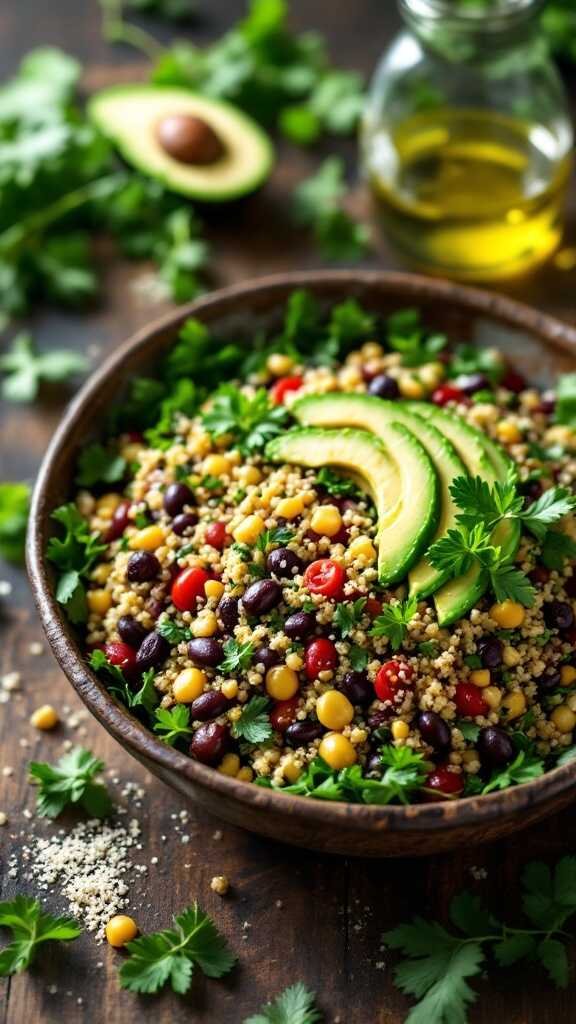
(370, 413)
(129, 116)
(398, 483)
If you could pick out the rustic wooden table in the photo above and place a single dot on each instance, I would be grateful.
(291, 914)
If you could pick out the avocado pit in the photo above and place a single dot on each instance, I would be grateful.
(189, 139)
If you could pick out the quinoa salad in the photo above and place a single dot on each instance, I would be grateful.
(336, 559)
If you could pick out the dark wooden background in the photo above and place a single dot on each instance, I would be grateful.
(308, 917)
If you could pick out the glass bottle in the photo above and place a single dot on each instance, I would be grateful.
(466, 138)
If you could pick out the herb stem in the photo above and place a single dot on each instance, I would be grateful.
(116, 30)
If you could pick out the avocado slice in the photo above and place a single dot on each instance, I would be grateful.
(223, 153)
(404, 487)
(353, 409)
(459, 595)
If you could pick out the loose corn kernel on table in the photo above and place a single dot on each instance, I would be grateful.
(288, 914)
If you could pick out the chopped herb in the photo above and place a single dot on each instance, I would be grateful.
(172, 724)
(70, 782)
(469, 730)
(336, 484)
(473, 661)
(428, 649)
(146, 696)
(74, 555)
(30, 926)
(237, 657)
(14, 506)
(279, 535)
(254, 724)
(348, 616)
(394, 620)
(557, 549)
(470, 359)
(98, 465)
(404, 773)
(525, 767)
(25, 368)
(295, 1005)
(251, 422)
(173, 632)
(407, 335)
(565, 409)
(358, 658)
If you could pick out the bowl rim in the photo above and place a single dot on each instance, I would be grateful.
(134, 736)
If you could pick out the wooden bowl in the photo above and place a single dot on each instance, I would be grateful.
(540, 345)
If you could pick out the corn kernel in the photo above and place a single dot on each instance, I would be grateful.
(268, 493)
(216, 465)
(101, 573)
(206, 624)
(362, 547)
(188, 685)
(567, 675)
(229, 765)
(107, 505)
(515, 703)
(337, 751)
(508, 432)
(120, 930)
(372, 350)
(493, 697)
(148, 539)
(44, 718)
(293, 660)
(561, 435)
(334, 710)
(99, 601)
(508, 614)
(290, 770)
(400, 730)
(131, 452)
(326, 520)
(282, 683)
(564, 718)
(249, 475)
(431, 375)
(510, 657)
(571, 701)
(248, 531)
(214, 588)
(290, 508)
(279, 364)
(480, 677)
(230, 689)
(245, 774)
(410, 386)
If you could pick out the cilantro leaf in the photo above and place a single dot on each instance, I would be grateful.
(407, 335)
(358, 658)
(548, 509)
(97, 465)
(455, 553)
(14, 505)
(336, 484)
(318, 205)
(70, 781)
(509, 583)
(279, 535)
(174, 633)
(237, 656)
(74, 554)
(254, 724)
(394, 620)
(404, 771)
(525, 767)
(146, 697)
(565, 409)
(295, 1005)
(557, 548)
(25, 368)
(348, 616)
(476, 499)
(171, 955)
(30, 926)
(469, 359)
(252, 421)
(172, 724)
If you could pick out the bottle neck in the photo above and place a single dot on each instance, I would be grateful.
(465, 29)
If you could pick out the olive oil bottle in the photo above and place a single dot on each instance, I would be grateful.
(466, 140)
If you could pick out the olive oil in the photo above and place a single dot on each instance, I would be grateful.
(470, 193)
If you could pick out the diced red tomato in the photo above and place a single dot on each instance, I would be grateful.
(216, 535)
(321, 656)
(392, 677)
(280, 389)
(120, 654)
(188, 587)
(513, 381)
(469, 700)
(324, 576)
(284, 713)
(448, 393)
(444, 783)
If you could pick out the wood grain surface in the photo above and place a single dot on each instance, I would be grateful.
(289, 915)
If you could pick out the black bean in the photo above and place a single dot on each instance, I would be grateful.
(152, 652)
(384, 386)
(228, 612)
(119, 522)
(131, 631)
(300, 734)
(205, 651)
(495, 747)
(558, 615)
(175, 497)
(490, 651)
(548, 403)
(154, 606)
(433, 729)
(470, 383)
(261, 597)
(266, 656)
(358, 688)
(210, 742)
(208, 705)
(284, 563)
(299, 625)
(142, 567)
(183, 523)
(378, 719)
(549, 681)
(374, 766)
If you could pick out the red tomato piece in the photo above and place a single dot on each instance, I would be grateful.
(469, 700)
(514, 381)
(444, 783)
(280, 389)
(120, 654)
(324, 576)
(216, 535)
(284, 713)
(321, 656)
(392, 677)
(188, 587)
(447, 393)
(373, 606)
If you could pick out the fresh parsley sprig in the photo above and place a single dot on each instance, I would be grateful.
(438, 962)
(295, 1005)
(25, 368)
(254, 724)
(30, 926)
(146, 696)
(465, 545)
(407, 335)
(173, 632)
(99, 465)
(237, 656)
(251, 420)
(476, 501)
(14, 506)
(172, 724)
(394, 620)
(336, 484)
(279, 535)
(74, 554)
(348, 616)
(70, 782)
(170, 956)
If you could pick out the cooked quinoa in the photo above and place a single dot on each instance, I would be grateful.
(204, 581)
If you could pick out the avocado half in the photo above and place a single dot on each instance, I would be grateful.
(130, 115)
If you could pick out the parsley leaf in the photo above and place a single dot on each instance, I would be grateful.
(30, 926)
(14, 505)
(511, 584)
(172, 724)
(71, 782)
(358, 658)
(548, 509)
(525, 767)
(174, 633)
(237, 657)
(407, 335)
(469, 359)
(295, 1005)
(25, 368)
(565, 409)
(348, 615)
(394, 620)
(147, 697)
(279, 535)
(476, 500)
(254, 724)
(97, 464)
(336, 484)
(171, 955)
(556, 549)
(404, 772)
(318, 204)
(73, 554)
(456, 552)
(252, 421)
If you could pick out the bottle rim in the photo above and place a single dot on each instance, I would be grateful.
(499, 15)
